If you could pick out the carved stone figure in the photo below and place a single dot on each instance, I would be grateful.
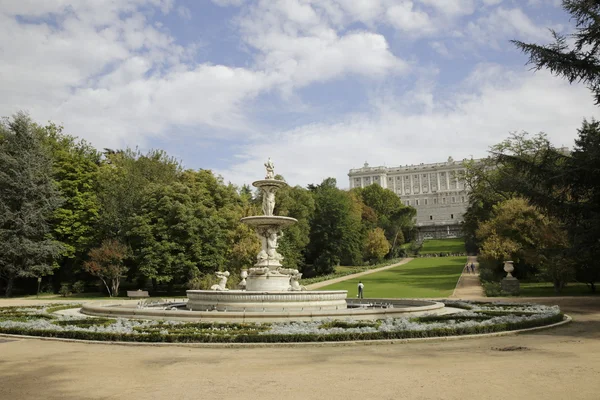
(272, 245)
(268, 204)
(270, 169)
(294, 281)
(222, 285)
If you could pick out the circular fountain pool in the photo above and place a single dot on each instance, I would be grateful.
(366, 309)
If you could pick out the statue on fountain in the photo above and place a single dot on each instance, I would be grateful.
(268, 204)
(270, 169)
(295, 281)
(222, 285)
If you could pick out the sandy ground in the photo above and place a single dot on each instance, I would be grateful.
(556, 364)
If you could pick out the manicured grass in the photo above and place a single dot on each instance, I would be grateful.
(455, 245)
(422, 277)
(545, 289)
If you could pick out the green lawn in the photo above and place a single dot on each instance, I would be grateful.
(456, 245)
(545, 289)
(422, 277)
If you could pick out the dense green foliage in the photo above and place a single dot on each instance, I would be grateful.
(139, 220)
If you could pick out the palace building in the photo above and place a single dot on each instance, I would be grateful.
(436, 191)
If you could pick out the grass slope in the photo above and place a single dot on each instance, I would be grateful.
(455, 245)
(422, 277)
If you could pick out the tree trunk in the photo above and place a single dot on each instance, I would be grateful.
(558, 286)
(107, 288)
(115, 287)
(9, 286)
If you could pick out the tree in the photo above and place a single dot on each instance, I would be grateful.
(75, 171)
(28, 200)
(519, 232)
(575, 56)
(295, 202)
(335, 228)
(106, 262)
(122, 181)
(492, 180)
(391, 214)
(376, 245)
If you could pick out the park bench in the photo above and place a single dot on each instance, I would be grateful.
(137, 293)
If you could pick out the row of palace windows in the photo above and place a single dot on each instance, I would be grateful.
(425, 202)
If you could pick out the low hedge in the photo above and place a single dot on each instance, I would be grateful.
(283, 338)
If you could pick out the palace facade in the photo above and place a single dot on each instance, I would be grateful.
(436, 191)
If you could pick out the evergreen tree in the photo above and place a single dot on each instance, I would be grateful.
(28, 200)
(576, 56)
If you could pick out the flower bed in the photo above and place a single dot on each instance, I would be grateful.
(475, 319)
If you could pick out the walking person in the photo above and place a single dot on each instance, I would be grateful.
(360, 290)
(467, 268)
(473, 267)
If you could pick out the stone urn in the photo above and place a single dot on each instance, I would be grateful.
(510, 284)
(243, 275)
(509, 268)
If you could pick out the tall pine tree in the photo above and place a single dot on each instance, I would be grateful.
(28, 199)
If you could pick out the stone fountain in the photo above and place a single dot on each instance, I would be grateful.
(268, 274)
(268, 285)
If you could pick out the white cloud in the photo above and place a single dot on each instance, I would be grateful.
(452, 8)
(406, 18)
(502, 24)
(298, 44)
(494, 102)
(110, 76)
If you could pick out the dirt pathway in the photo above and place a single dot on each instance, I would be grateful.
(562, 363)
(319, 285)
(468, 286)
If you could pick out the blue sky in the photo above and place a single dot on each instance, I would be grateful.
(321, 86)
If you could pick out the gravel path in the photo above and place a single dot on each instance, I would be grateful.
(562, 363)
(468, 286)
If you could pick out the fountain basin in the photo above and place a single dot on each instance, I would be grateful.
(373, 309)
(266, 301)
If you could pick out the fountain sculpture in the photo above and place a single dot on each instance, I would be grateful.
(268, 285)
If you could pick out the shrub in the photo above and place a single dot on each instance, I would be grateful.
(492, 289)
(64, 290)
(79, 287)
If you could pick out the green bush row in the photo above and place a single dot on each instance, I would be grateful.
(455, 317)
(294, 338)
(58, 307)
(86, 323)
(350, 324)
